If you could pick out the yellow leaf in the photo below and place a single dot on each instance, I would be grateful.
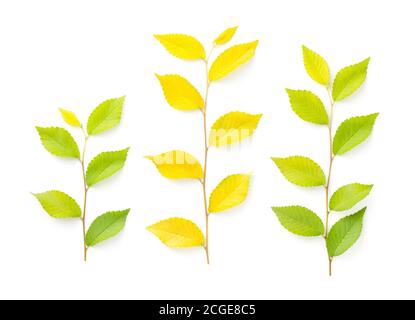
(177, 165)
(225, 36)
(231, 59)
(178, 233)
(231, 192)
(182, 46)
(70, 118)
(233, 127)
(180, 93)
(317, 68)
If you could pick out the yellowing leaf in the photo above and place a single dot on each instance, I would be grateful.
(317, 68)
(308, 106)
(180, 93)
(177, 165)
(233, 127)
(58, 142)
(70, 118)
(301, 171)
(182, 46)
(231, 59)
(178, 233)
(225, 36)
(106, 116)
(349, 80)
(231, 192)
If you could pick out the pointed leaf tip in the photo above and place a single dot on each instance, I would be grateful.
(182, 46)
(231, 192)
(180, 93)
(300, 221)
(316, 66)
(349, 80)
(106, 226)
(177, 164)
(106, 116)
(178, 233)
(105, 165)
(59, 142)
(344, 234)
(225, 36)
(231, 59)
(70, 118)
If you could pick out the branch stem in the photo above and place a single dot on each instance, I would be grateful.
(327, 186)
(206, 151)
(83, 218)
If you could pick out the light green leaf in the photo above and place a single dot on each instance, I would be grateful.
(301, 171)
(353, 132)
(349, 80)
(106, 116)
(345, 233)
(348, 196)
(308, 106)
(58, 142)
(59, 205)
(106, 226)
(105, 165)
(300, 221)
(317, 68)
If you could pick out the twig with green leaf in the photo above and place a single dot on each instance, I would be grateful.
(231, 128)
(304, 172)
(59, 142)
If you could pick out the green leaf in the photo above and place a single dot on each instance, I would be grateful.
(353, 132)
(349, 195)
(59, 205)
(300, 221)
(106, 226)
(106, 116)
(308, 106)
(345, 233)
(301, 171)
(58, 142)
(317, 68)
(105, 165)
(349, 80)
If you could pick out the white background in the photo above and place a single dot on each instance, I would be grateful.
(76, 54)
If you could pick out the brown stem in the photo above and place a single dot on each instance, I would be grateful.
(83, 218)
(206, 143)
(327, 186)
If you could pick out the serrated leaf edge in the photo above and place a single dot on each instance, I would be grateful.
(297, 156)
(60, 128)
(126, 150)
(126, 211)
